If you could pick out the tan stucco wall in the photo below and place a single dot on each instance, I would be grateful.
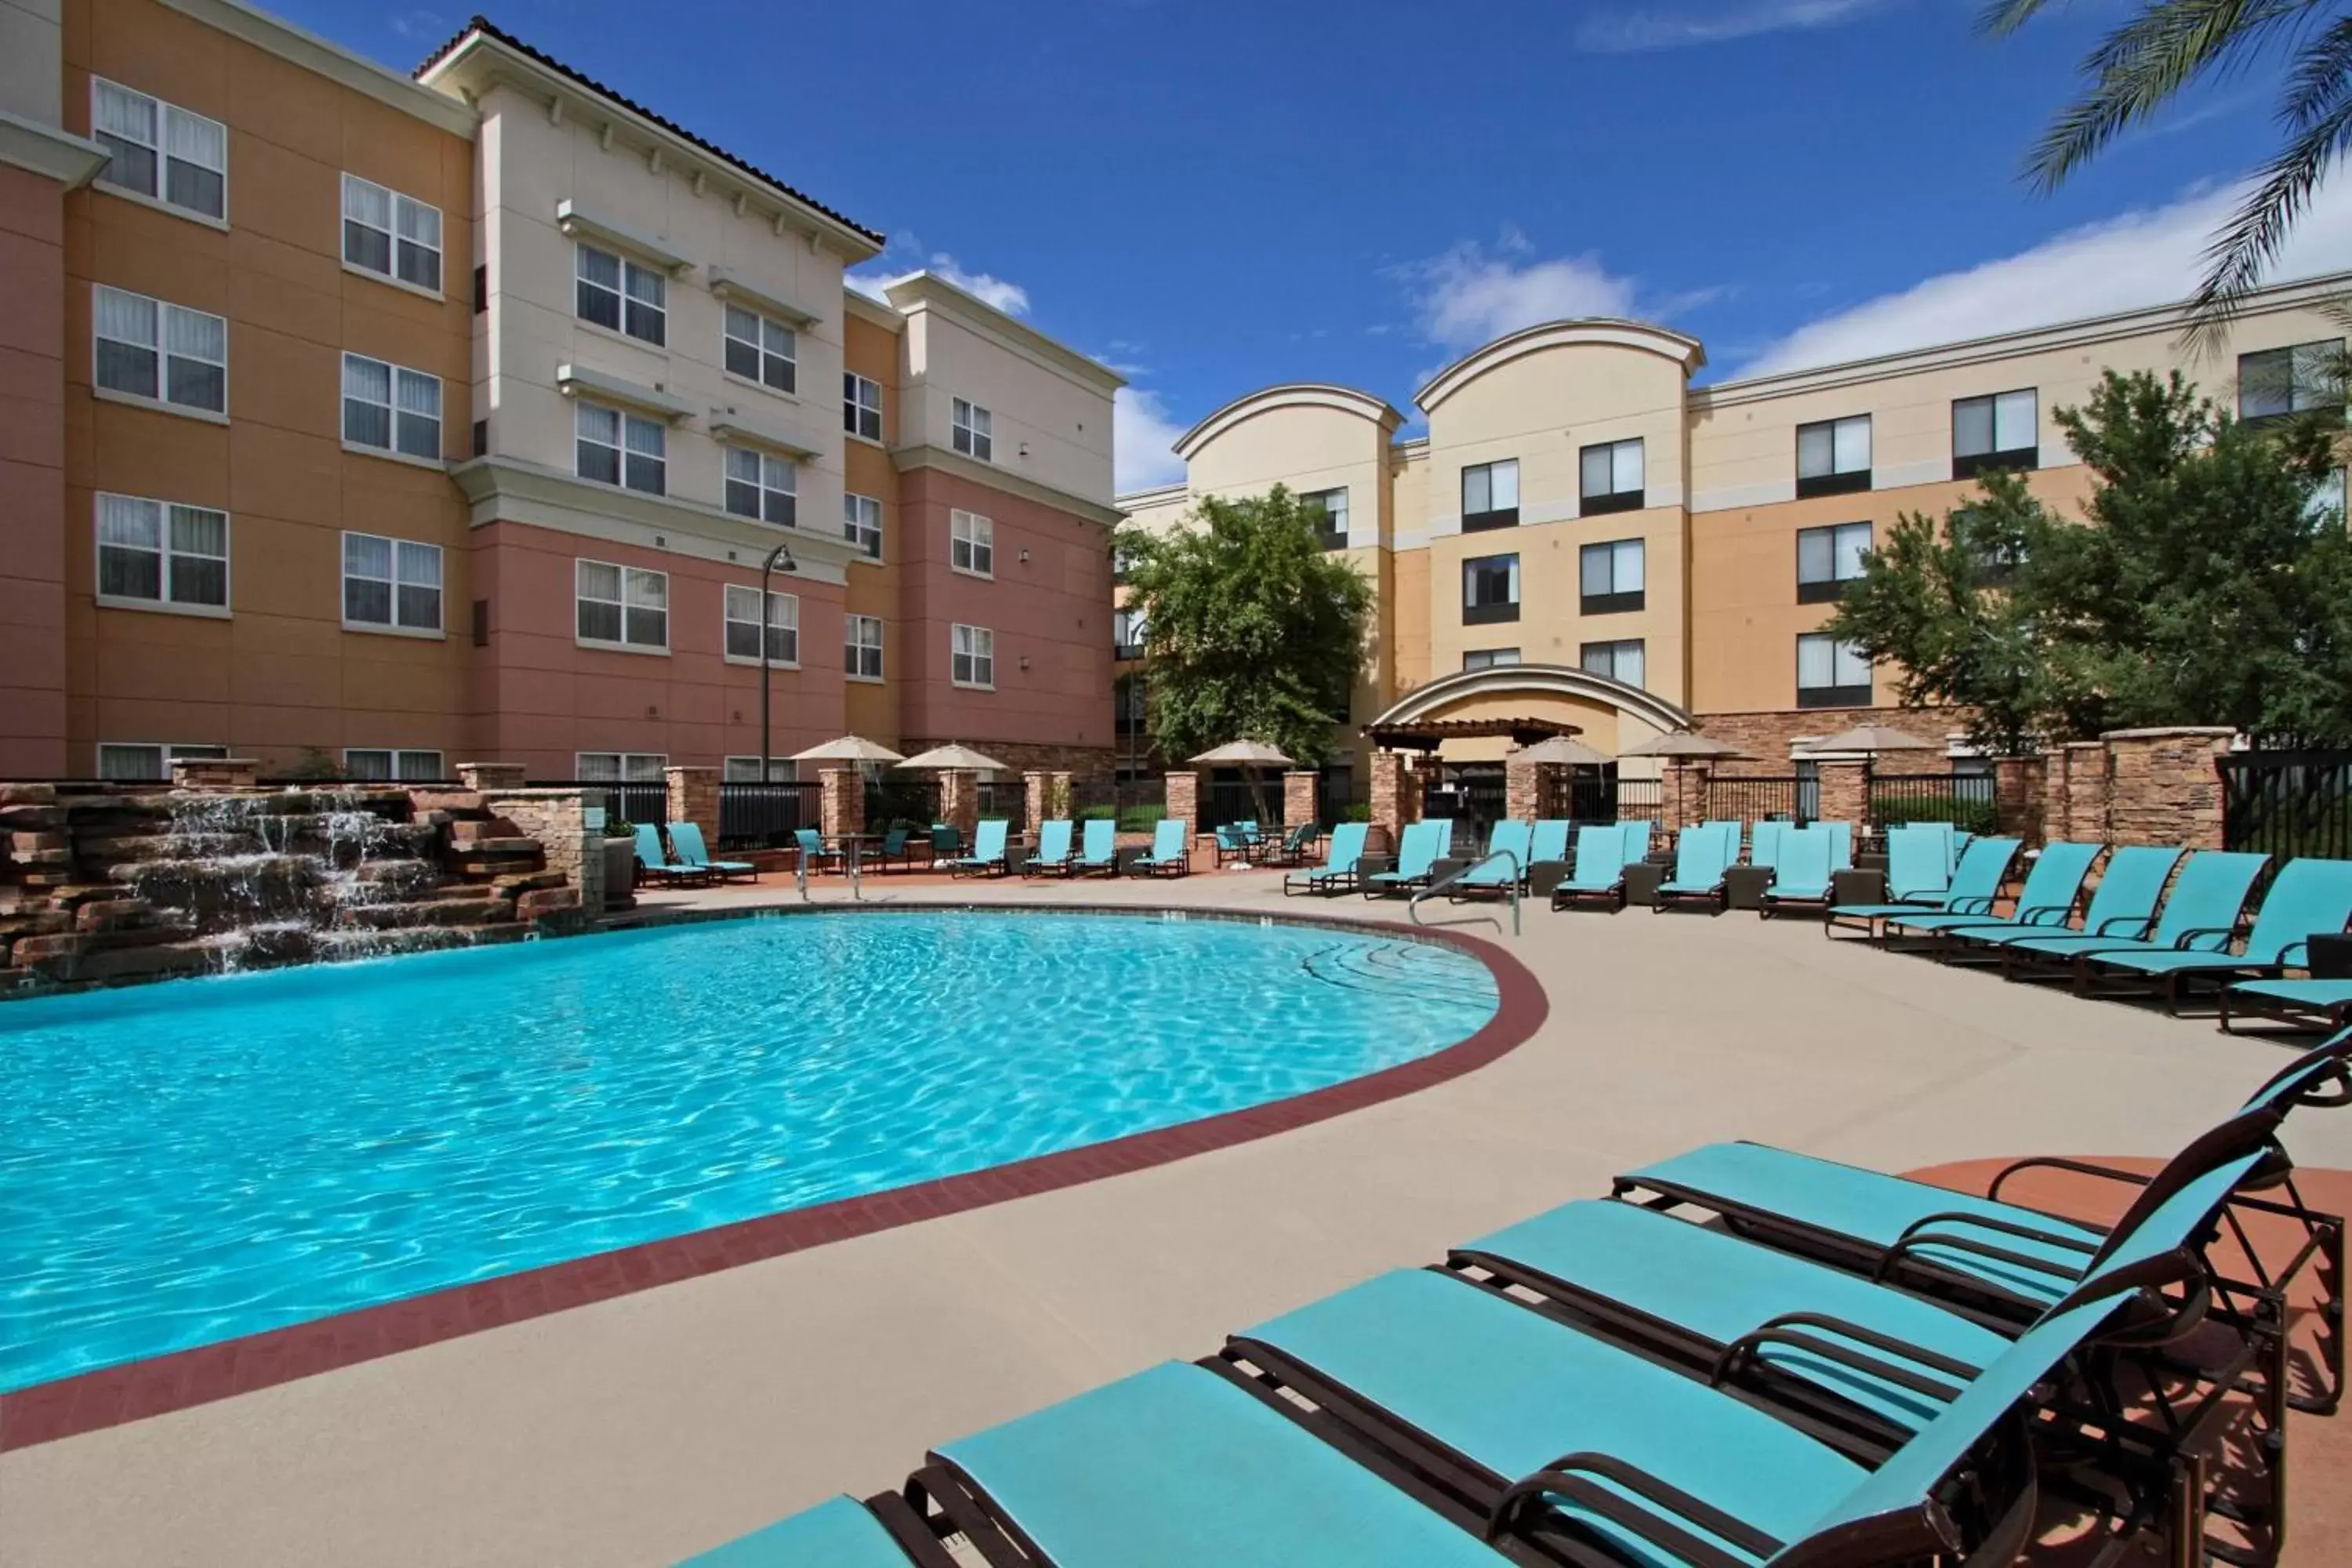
(1308, 447)
(1063, 419)
(871, 709)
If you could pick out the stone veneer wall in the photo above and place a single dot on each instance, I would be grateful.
(1080, 762)
(1766, 736)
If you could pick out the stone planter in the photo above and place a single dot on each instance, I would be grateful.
(620, 873)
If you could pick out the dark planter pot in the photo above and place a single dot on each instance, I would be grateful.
(620, 873)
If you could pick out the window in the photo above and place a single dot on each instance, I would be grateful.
(620, 767)
(971, 435)
(391, 584)
(136, 762)
(1490, 589)
(1828, 559)
(746, 770)
(862, 647)
(1489, 657)
(1490, 495)
(1127, 633)
(1999, 432)
(166, 354)
(1130, 705)
(1611, 577)
(1833, 457)
(760, 350)
(619, 294)
(622, 607)
(1620, 660)
(1610, 478)
(861, 523)
(761, 485)
(161, 151)
(1831, 674)
(617, 448)
(151, 554)
(783, 632)
(2290, 380)
(390, 408)
(1329, 510)
(972, 543)
(369, 764)
(973, 651)
(861, 405)
(391, 235)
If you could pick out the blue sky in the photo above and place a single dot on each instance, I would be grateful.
(1217, 196)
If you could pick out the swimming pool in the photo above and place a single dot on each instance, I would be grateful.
(199, 1160)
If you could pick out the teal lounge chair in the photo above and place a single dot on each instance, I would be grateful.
(1840, 844)
(814, 856)
(1416, 856)
(1918, 865)
(1051, 856)
(987, 857)
(1597, 875)
(880, 1532)
(1338, 872)
(893, 848)
(2122, 906)
(2201, 914)
(2306, 1004)
(1975, 885)
(1764, 843)
(2309, 897)
(1495, 875)
(1233, 842)
(1701, 856)
(2043, 903)
(1549, 843)
(1291, 848)
(1098, 848)
(1170, 854)
(946, 843)
(1801, 877)
(654, 861)
(686, 838)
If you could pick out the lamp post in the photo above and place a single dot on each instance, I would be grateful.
(783, 553)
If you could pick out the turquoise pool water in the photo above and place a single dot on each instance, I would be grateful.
(194, 1161)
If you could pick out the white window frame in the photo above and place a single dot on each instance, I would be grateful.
(972, 430)
(862, 531)
(976, 647)
(776, 488)
(625, 424)
(631, 273)
(1617, 647)
(746, 770)
(166, 753)
(404, 213)
(1489, 658)
(740, 606)
(855, 647)
(163, 514)
(634, 582)
(763, 328)
(399, 381)
(164, 313)
(407, 558)
(628, 767)
(165, 115)
(402, 764)
(855, 409)
(972, 543)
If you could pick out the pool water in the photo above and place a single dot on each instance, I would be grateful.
(194, 1161)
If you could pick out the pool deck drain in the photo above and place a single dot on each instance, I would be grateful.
(647, 1425)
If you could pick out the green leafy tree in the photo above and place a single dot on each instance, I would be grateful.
(2207, 589)
(1252, 630)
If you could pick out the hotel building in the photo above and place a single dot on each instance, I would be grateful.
(415, 420)
(1585, 535)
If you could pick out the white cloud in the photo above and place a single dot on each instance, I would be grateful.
(2148, 257)
(1142, 440)
(421, 27)
(1010, 298)
(1682, 25)
(905, 255)
(1471, 294)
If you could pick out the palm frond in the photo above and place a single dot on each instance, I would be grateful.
(2253, 236)
(2322, 75)
(2001, 17)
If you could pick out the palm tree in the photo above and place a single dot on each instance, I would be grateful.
(2170, 43)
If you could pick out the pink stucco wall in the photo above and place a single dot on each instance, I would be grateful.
(32, 477)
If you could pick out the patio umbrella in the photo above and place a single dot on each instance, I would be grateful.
(1561, 749)
(1681, 743)
(1243, 754)
(1872, 739)
(848, 749)
(955, 756)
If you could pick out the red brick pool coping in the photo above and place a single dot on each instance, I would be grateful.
(132, 1391)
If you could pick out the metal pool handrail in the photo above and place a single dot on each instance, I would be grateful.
(1510, 888)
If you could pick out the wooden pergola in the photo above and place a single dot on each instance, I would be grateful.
(1426, 735)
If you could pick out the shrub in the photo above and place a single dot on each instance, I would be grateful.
(1969, 816)
(1140, 818)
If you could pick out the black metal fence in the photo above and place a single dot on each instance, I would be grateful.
(1638, 800)
(1761, 799)
(914, 801)
(637, 800)
(1476, 795)
(756, 815)
(2288, 802)
(1964, 800)
(1007, 798)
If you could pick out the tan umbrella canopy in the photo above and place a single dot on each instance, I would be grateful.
(1681, 743)
(957, 756)
(1243, 754)
(848, 749)
(1561, 749)
(1872, 739)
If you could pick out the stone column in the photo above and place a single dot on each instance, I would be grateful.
(1039, 808)
(2163, 786)
(1682, 795)
(960, 801)
(1522, 789)
(2074, 792)
(1058, 794)
(1395, 802)
(2019, 786)
(558, 818)
(841, 801)
(694, 797)
(1298, 797)
(1845, 792)
(214, 773)
(1184, 797)
(481, 776)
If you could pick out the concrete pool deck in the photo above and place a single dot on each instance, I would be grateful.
(647, 1427)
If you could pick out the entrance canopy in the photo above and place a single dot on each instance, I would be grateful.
(1482, 715)
(1429, 734)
